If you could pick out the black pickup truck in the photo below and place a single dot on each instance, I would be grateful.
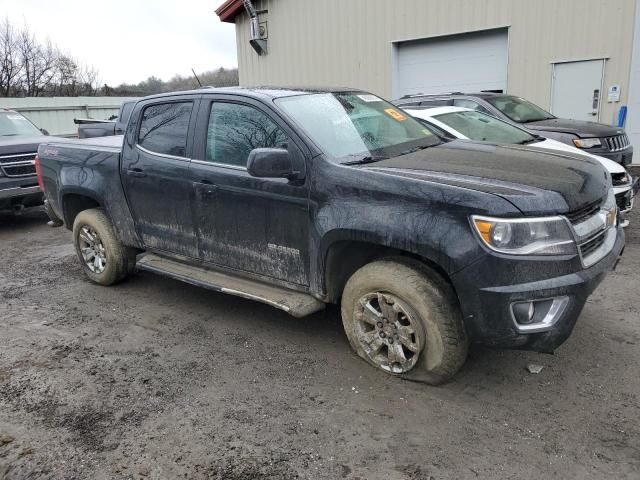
(300, 198)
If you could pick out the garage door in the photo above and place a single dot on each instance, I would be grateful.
(466, 63)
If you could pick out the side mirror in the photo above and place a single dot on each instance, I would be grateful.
(44, 132)
(271, 163)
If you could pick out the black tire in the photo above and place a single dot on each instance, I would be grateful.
(120, 260)
(413, 290)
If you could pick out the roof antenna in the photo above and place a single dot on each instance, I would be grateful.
(197, 79)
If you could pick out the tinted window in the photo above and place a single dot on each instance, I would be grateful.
(436, 103)
(235, 130)
(126, 112)
(164, 128)
(466, 103)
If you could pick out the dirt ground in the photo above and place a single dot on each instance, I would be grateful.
(158, 379)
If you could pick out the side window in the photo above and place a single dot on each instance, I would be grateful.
(409, 104)
(437, 103)
(466, 103)
(164, 128)
(234, 130)
(126, 112)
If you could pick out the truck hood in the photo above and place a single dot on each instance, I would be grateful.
(535, 182)
(15, 145)
(576, 127)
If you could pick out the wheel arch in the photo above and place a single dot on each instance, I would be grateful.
(74, 201)
(343, 254)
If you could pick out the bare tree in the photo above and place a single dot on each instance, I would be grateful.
(38, 63)
(9, 63)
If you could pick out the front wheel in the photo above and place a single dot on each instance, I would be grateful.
(405, 321)
(105, 260)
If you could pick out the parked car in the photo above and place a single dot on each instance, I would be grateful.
(19, 140)
(91, 128)
(596, 138)
(299, 198)
(464, 123)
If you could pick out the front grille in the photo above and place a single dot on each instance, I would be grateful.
(592, 244)
(617, 143)
(582, 214)
(18, 165)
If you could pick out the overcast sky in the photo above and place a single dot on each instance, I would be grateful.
(130, 40)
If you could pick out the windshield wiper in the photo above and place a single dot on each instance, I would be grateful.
(531, 140)
(9, 134)
(364, 160)
(416, 149)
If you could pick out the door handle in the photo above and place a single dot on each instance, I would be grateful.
(136, 172)
(206, 182)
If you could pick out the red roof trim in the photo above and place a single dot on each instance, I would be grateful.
(229, 10)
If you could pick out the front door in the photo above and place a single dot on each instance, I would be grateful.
(254, 225)
(155, 172)
(577, 90)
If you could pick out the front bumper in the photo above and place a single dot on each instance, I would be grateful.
(488, 288)
(16, 192)
(623, 157)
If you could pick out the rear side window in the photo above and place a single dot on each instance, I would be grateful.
(234, 130)
(466, 103)
(126, 112)
(164, 128)
(437, 103)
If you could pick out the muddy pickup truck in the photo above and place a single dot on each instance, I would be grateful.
(302, 198)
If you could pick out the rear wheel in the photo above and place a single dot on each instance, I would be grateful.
(405, 321)
(105, 260)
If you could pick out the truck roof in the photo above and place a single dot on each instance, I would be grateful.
(260, 92)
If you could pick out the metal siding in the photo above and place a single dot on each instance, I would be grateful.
(56, 114)
(633, 120)
(349, 42)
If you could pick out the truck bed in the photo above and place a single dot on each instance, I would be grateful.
(86, 172)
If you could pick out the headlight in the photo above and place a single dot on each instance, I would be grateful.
(526, 236)
(587, 142)
(620, 179)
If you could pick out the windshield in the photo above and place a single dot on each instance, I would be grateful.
(13, 124)
(484, 128)
(518, 109)
(348, 125)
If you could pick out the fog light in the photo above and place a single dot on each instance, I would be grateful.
(536, 316)
(523, 312)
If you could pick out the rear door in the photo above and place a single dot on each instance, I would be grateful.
(155, 172)
(255, 225)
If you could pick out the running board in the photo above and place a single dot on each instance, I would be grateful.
(295, 303)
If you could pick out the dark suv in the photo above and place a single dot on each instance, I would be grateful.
(596, 138)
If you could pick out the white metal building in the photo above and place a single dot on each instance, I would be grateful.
(564, 55)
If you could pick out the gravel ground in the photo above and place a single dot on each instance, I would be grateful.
(158, 379)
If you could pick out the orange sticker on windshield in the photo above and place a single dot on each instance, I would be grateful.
(395, 114)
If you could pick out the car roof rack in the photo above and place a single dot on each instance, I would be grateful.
(431, 94)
